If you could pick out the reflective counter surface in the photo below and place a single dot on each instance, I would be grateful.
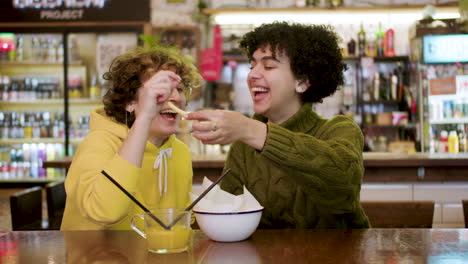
(265, 246)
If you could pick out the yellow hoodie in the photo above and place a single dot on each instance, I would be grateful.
(93, 202)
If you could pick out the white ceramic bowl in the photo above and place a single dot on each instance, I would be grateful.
(228, 227)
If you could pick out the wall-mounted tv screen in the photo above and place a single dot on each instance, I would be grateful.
(445, 48)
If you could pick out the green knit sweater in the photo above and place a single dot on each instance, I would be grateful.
(308, 174)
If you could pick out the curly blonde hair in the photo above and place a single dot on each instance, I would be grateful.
(130, 70)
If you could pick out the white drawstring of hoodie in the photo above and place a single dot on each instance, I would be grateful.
(164, 154)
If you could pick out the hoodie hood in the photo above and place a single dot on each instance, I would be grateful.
(100, 121)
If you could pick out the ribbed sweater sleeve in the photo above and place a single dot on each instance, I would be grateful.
(327, 162)
(232, 182)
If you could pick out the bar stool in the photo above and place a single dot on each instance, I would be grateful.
(399, 214)
(465, 211)
(26, 210)
(56, 197)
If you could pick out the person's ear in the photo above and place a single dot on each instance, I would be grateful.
(302, 86)
(130, 107)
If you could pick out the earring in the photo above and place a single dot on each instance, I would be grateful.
(126, 118)
(299, 89)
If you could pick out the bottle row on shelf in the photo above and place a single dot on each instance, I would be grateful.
(384, 86)
(185, 40)
(36, 48)
(372, 44)
(219, 4)
(35, 125)
(448, 109)
(453, 140)
(380, 117)
(25, 161)
(14, 88)
(31, 88)
(402, 142)
(366, 41)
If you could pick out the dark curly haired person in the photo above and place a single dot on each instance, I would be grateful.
(305, 170)
(132, 139)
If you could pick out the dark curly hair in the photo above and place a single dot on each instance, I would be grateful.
(313, 52)
(129, 71)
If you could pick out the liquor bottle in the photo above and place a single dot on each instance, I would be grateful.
(13, 94)
(50, 155)
(351, 47)
(6, 88)
(5, 128)
(45, 125)
(36, 121)
(34, 171)
(13, 163)
(389, 43)
(399, 74)
(73, 52)
(19, 48)
(384, 87)
(462, 142)
(21, 89)
(300, 3)
(51, 49)
(394, 87)
(379, 41)
(2, 124)
(41, 152)
(44, 48)
(27, 125)
(15, 126)
(94, 89)
(19, 164)
(362, 41)
(335, 3)
(27, 91)
(59, 51)
(376, 86)
(370, 47)
(443, 142)
(2, 87)
(453, 146)
(55, 127)
(35, 48)
(26, 159)
(73, 87)
(371, 50)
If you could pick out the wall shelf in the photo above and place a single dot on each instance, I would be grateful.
(348, 15)
(57, 102)
(214, 11)
(449, 121)
(18, 141)
(409, 126)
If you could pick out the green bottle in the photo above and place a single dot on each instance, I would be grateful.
(362, 41)
(379, 41)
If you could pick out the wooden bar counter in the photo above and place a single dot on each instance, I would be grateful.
(265, 246)
(379, 167)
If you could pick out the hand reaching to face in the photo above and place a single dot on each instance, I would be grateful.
(225, 127)
(156, 91)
